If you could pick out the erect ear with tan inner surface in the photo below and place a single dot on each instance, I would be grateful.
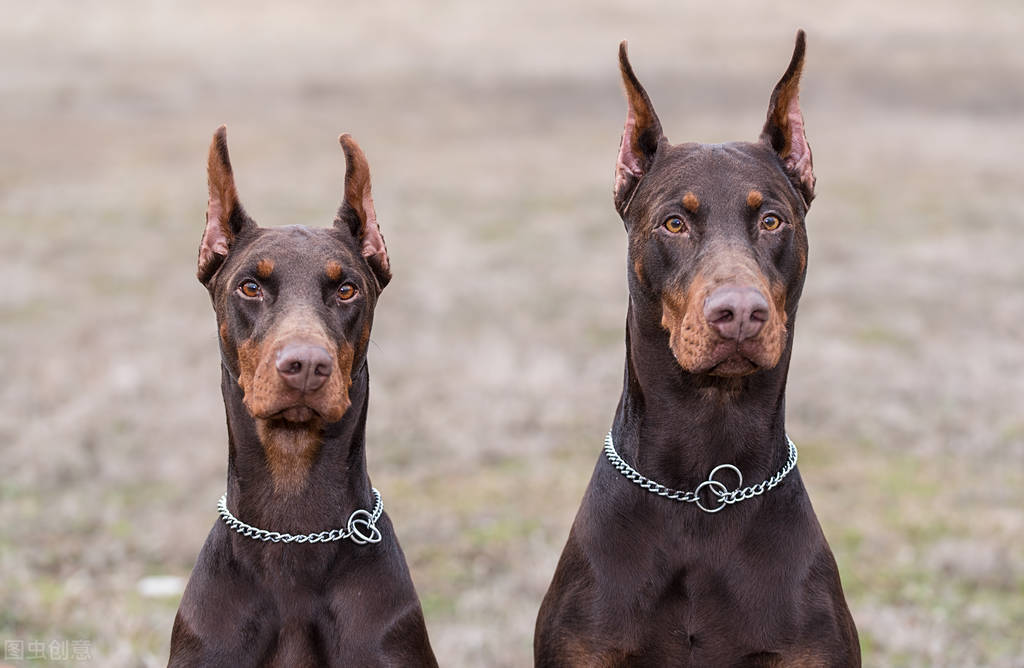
(784, 129)
(640, 137)
(224, 215)
(357, 212)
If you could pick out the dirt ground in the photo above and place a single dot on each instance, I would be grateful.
(492, 129)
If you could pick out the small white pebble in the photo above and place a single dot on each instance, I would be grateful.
(161, 586)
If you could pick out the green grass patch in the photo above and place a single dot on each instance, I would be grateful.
(876, 335)
(437, 604)
(501, 531)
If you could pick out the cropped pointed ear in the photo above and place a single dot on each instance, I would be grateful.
(640, 138)
(784, 129)
(225, 218)
(357, 213)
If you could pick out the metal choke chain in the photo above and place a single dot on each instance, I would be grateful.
(361, 528)
(718, 488)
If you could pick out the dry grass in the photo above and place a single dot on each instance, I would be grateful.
(491, 130)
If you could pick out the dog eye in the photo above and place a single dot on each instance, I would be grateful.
(771, 222)
(675, 225)
(346, 292)
(250, 289)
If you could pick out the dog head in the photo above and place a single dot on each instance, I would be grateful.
(717, 243)
(294, 304)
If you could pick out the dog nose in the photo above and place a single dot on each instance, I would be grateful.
(304, 367)
(736, 313)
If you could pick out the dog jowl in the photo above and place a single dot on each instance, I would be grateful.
(696, 543)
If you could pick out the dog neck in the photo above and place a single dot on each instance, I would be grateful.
(675, 427)
(329, 480)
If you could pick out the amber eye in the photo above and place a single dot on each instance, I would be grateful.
(346, 292)
(675, 225)
(771, 222)
(250, 289)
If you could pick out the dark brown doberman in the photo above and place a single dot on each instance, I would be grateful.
(304, 569)
(673, 559)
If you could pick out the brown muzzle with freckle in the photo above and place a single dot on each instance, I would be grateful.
(296, 374)
(729, 321)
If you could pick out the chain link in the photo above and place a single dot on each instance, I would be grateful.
(361, 527)
(718, 488)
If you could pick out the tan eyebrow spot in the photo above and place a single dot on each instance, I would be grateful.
(754, 199)
(690, 202)
(333, 270)
(265, 268)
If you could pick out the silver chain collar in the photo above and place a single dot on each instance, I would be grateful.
(361, 528)
(721, 492)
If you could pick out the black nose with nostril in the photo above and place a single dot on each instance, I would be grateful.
(736, 313)
(303, 366)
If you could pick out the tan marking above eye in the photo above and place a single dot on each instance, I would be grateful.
(770, 221)
(265, 268)
(250, 289)
(691, 202)
(347, 292)
(333, 270)
(674, 224)
(754, 199)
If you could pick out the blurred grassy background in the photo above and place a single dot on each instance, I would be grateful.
(491, 130)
